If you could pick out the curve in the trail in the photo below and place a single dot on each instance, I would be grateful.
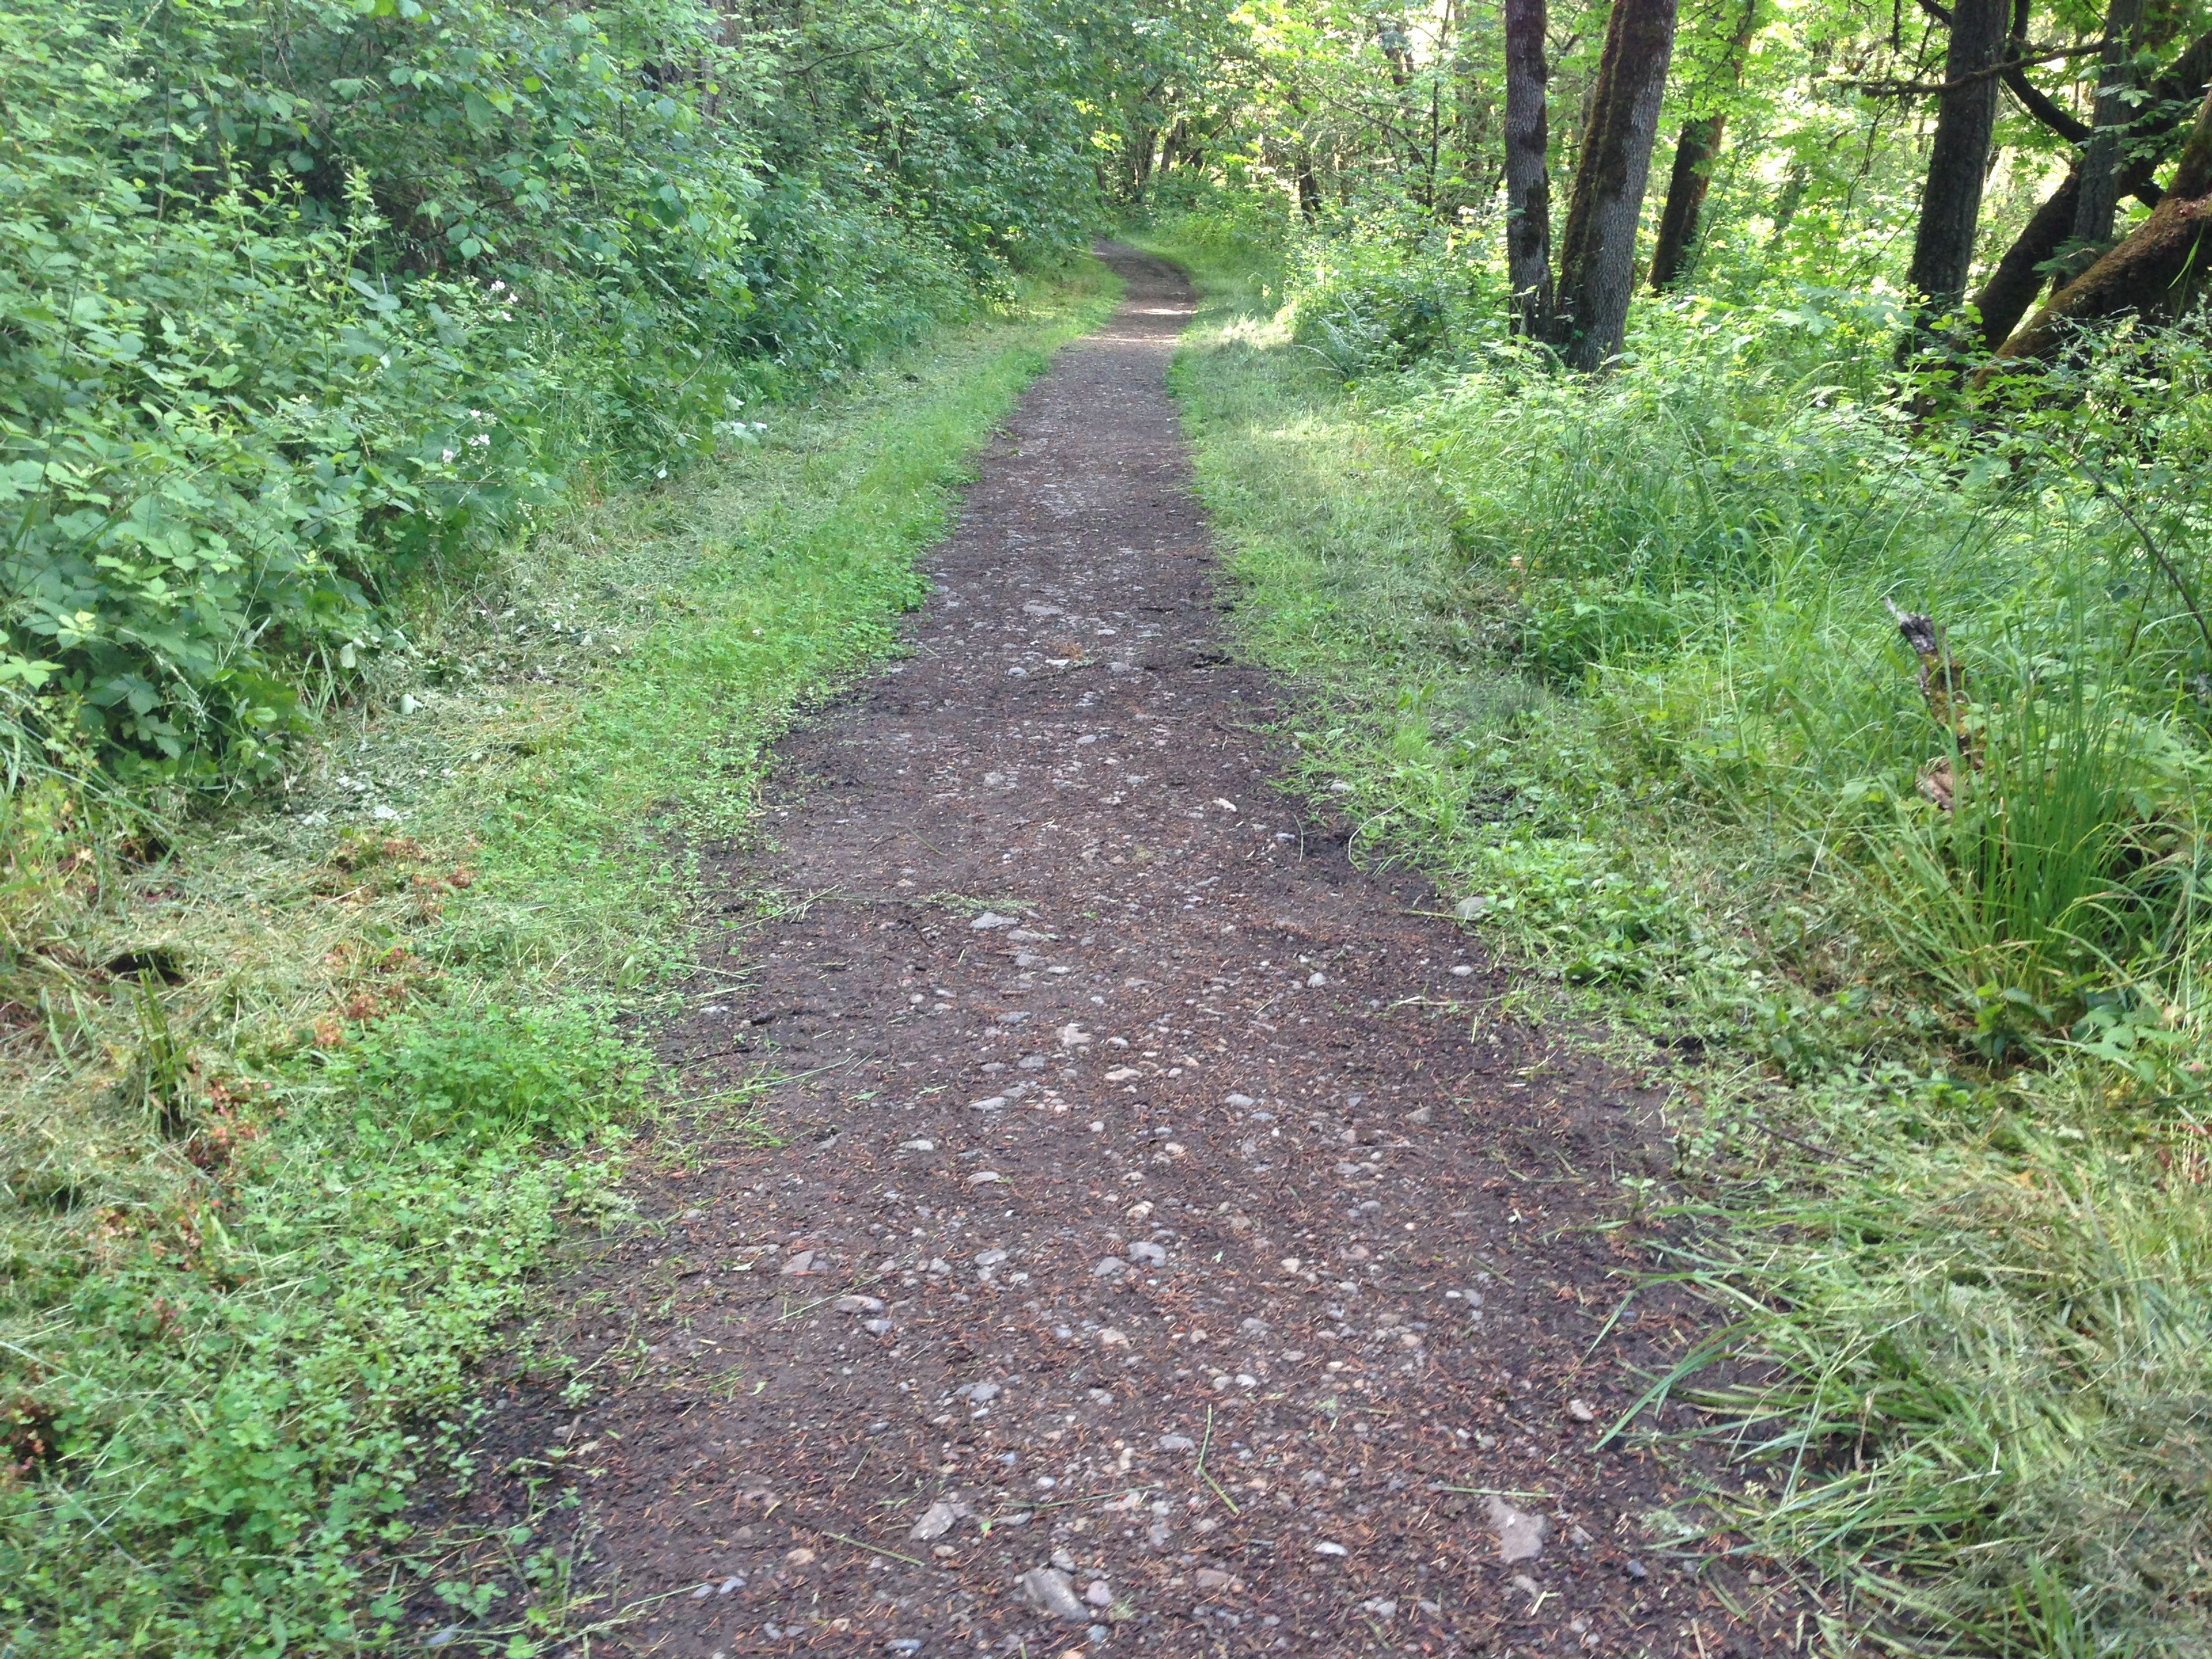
(1170, 1245)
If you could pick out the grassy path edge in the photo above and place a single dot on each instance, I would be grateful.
(1965, 1305)
(275, 1195)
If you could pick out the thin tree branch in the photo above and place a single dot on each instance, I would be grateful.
(2038, 104)
(1930, 89)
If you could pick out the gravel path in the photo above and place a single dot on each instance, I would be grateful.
(1169, 1248)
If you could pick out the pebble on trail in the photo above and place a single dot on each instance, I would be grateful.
(1050, 1591)
(1520, 1535)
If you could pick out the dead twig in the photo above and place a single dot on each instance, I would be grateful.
(1943, 687)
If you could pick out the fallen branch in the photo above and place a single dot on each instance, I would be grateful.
(2156, 268)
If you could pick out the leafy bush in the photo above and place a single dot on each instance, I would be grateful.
(472, 1074)
(1202, 215)
(1375, 297)
(248, 1443)
(286, 328)
(251, 1376)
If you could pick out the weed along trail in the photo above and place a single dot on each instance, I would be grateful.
(1161, 1242)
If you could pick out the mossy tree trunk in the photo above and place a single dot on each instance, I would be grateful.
(2156, 268)
(1527, 168)
(1597, 251)
(2010, 291)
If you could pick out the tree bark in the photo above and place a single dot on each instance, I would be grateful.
(1694, 150)
(2013, 286)
(1597, 253)
(2099, 196)
(1141, 162)
(1958, 159)
(1527, 169)
(1694, 153)
(1788, 198)
(2156, 268)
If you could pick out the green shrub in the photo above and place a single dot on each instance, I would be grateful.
(470, 1074)
(241, 1407)
(289, 329)
(243, 396)
(1376, 296)
(1203, 217)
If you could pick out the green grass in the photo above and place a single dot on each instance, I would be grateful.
(297, 1099)
(1611, 663)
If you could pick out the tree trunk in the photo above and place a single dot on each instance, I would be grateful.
(1694, 152)
(1527, 169)
(1788, 199)
(2099, 196)
(1597, 253)
(1141, 162)
(1308, 192)
(1700, 142)
(2013, 286)
(2155, 269)
(1959, 159)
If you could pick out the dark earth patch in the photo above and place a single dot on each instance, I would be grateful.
(1156, 1193)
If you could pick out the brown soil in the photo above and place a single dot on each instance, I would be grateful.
(1124, 1122)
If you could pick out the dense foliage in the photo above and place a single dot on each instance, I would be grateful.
(300, 298)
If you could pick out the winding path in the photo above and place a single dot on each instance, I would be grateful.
(1158, 1196)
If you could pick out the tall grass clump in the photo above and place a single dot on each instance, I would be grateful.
(1711, 547)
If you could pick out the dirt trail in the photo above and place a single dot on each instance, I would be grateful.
(1158, 1195)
